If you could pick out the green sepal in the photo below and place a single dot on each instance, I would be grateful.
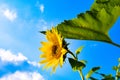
(43, 32)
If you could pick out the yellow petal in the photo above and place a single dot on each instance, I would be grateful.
(54, 67)
(46, 60)
(61, 61)
(50, 63)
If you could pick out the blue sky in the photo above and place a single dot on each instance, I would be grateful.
(20, 23)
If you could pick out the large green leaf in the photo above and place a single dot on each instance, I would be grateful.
(94, 24)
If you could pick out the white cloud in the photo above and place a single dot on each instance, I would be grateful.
(10, 14)
(42, 8)
(23, 76)
(8, 56)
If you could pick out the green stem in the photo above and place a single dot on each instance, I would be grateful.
(81, 75)
(80, 71)
(72, 54)
(117, 71)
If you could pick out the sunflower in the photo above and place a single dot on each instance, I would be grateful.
(53, 50)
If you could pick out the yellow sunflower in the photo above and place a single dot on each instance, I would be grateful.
(53, 50)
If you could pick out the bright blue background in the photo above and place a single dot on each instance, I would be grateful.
(22, 34)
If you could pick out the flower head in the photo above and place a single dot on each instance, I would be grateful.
(53, 50)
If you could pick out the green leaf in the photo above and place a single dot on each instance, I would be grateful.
(115, 68)
(101, 74)
(94, 24)
(119, 60)
(92, 78)
(108, 77)
(118, 75)
(83, 61)
(79, 50)
(76, 65)
(93, 70)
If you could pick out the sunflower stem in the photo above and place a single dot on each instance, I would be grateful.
(80, 71)
(72, 54)
(117, 72)
(81, 75)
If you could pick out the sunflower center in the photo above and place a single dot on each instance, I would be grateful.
(54, 49)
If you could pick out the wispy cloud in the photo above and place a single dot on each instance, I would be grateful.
(42, 8)
(23, 76)
(44, 25)
(10, 14)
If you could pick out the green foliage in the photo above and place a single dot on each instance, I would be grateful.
(115, 68)
(119, 60)
(108, 77)
(92, 78)
(118, 75)
(94, 24)
(93, 70)
(76, 65)
(79, 50)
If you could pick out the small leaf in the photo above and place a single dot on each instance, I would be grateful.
(115, 68)
(79, 50)
(118, 59)
(118, 74)
(103, 75)
(92, 78)
(83, 61)
(93, 70)
(76, 65)
(108, 77)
